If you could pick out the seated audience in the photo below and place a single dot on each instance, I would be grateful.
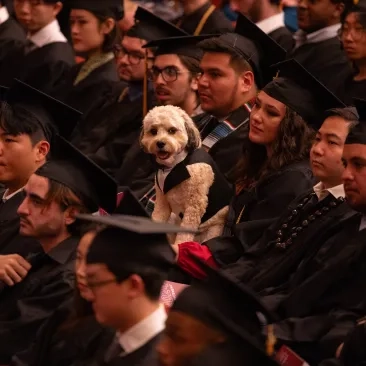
(353, 37)
(27, 117)
(64, 186)
(94, 33)
(108, 132)
(46, 57)
(202, 17)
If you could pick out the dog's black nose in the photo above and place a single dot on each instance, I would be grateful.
(160, 144)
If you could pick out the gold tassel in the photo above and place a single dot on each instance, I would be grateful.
(271, 340)
(355, 2)
(144, 102)
(277, 75)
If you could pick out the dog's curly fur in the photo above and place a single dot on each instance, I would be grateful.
(169, 131)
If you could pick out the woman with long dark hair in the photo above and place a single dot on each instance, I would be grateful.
(274, 168)
(353, 37)
(72, 332)
(94, 32)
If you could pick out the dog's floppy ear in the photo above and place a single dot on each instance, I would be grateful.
(194, 137)
(142, 133)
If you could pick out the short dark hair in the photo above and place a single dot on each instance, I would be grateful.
(17, 120)
(348, 114)
(111, 38)
(153, 280)
(66, 198)
(237, 62)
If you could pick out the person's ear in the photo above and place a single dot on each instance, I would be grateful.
(135, 287)
(107, 26)
(42, 149)
(338, 11)
(246, 82)
(194, 83)
(70, 214)
(57, 8)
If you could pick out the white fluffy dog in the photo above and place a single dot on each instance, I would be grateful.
(188, 183)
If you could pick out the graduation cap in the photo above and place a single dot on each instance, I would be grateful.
(149, 27)
(130, 243)
(50, 112)
(302, 92)
(270, 52)
(86, 179)
(224, 304)
(130, 205)
(357, 134)
(109, 8)
(184, 46)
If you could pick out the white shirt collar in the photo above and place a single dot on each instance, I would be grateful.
(7, 197)
(321, 192)
(320, 35)
(272, 23)
(51, 33)
(144, 331)
(4, 14)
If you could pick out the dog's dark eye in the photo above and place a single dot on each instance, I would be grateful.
(154, 131)
(172, 131)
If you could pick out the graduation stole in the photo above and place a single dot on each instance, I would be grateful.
(224, 129)
(91, 64)
(202, 22)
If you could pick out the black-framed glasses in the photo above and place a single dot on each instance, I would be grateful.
(134, 58)
(357, 32)
(94, 285)
(169, 73)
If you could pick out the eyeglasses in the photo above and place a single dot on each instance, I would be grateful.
(134, 58)
(30, 2)
(169, 73)
(357, 32)
(93, 285)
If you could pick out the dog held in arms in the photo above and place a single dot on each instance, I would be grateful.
(189, 186)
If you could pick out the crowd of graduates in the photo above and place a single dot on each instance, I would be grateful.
(87, 278)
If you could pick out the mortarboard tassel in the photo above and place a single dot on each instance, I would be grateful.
(271, 340)
(144, 102)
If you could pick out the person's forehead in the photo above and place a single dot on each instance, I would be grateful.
(133, 44)
(37, 185)
(168, 60)
(336, 125)
(354, 151)
(215, 60)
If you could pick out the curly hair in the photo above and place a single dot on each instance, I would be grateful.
(293, 144)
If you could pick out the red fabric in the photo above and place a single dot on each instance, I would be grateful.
(186, 250)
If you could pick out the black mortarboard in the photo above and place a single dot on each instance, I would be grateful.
(302, 92)
(227, 306)
(184, 46)
(86, 179)
(149, 27)
(108, 8)
(357, 134)
(270, 52)
(50, 112)
(130, 243)
(130, 205)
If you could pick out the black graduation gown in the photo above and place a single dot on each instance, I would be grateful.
(265, 266)
(324, 60)
(43, 68)
(352, 89)
(143, 356)
(216, 23)
(91, 91)
(10, 240)
(324, 298)
(283, 37)
(107, 135)
(263, 205)
(26, 306)
(62, 341)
